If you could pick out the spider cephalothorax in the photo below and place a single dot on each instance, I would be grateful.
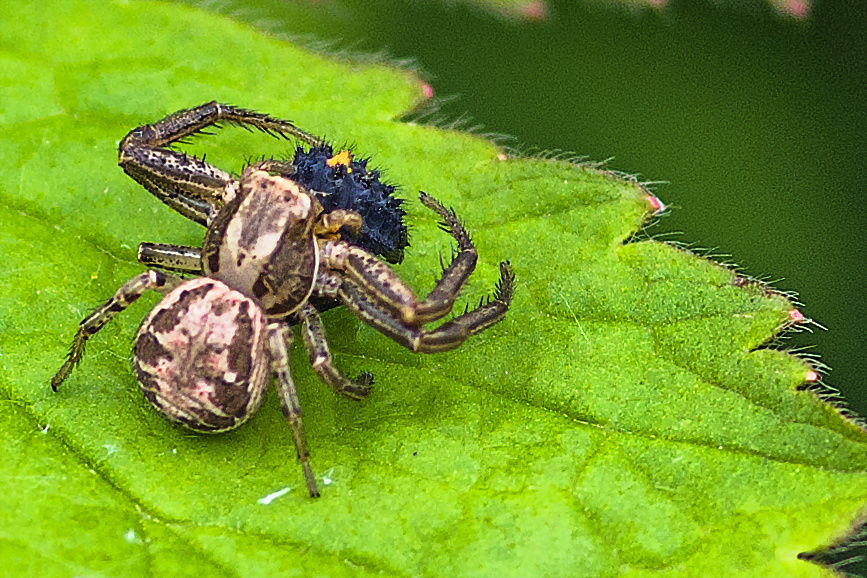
(272, 252)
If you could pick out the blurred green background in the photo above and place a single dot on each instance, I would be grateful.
(754, 121)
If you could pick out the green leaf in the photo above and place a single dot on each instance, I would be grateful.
(623, 419)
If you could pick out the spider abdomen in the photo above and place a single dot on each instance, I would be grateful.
(200, 356)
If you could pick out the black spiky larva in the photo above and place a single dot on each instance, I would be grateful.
(342, 182)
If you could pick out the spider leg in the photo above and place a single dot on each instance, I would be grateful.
(280, 167)
(280, 341)
(441, 299)
(180, 258)
(323, 363)
(188, 122)
(447, 336)
(380, 283)
(128, 293)
(184, 182)
(175, 186)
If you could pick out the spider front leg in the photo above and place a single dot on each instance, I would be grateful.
(187, 122)
(381, 284)
(449, 335)
(375, 293)
(186, 183)
(125, 296)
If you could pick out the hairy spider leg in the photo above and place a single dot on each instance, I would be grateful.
(184, 182)
(280, 341)
(187, 184)
(441, 299)
(179, 258)
(316, 342)
(128, 293)
(380, 284)
(174, 195)
(188, 122)
(449, 335)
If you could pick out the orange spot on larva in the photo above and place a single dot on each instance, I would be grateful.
(341, 158)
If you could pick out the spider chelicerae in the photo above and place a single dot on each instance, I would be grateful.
(284, 241)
